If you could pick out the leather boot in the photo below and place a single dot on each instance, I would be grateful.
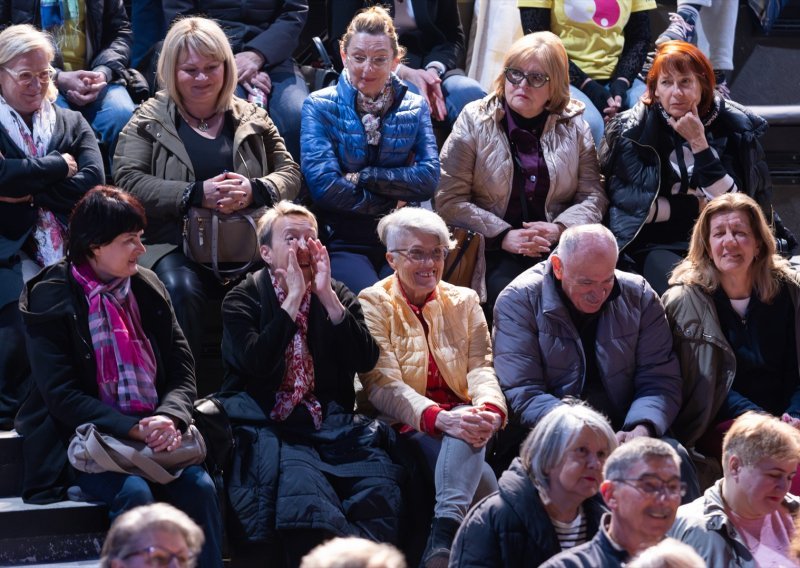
(437, 551)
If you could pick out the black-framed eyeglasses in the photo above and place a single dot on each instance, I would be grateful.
(418, 255)
(159, 557)
(26, 76)
(534, 79)
(654, 486)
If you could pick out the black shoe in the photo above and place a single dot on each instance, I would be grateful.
(437, 551)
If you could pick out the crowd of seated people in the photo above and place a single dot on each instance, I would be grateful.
(612, 389)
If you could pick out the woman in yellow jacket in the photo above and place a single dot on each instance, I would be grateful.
(434, 377)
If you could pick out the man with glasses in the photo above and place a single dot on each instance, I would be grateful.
(643, 490)
(574, 326)
(93, 43)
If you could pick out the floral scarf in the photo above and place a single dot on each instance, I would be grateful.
(372, 110)
(126, 364)
(49, 233)
(298, 381)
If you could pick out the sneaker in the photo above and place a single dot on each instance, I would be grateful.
(722, 88)
(678, 29)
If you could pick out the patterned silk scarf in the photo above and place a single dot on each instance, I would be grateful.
(372, 110)
(298, 381)
(49, 232)
(126, 365)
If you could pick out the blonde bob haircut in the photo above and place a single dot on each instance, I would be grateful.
(207, 39)
(547, 49)
(755, 436)
(698, 269)
(24, 38)
(374, 20)
(281, 209)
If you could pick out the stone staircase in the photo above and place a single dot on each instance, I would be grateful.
(61, 534)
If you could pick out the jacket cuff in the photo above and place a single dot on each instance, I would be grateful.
(105, 71)
(492, 408)
(428, 422)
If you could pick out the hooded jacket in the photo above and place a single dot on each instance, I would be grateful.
(705, 526)
(152, 163)
(64, 369)
(539, 357)
(511, 528)
(632, 166)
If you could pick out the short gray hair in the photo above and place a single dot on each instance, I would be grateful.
(353, 552)
(669, 553)
(579, 236)
(281, 209)
(408, 219)
(24, 38)
(127, 531)
(637, 450)
(545, 446)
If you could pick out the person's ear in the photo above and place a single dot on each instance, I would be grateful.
(391, 260)
(558, 267)
(607, 491)
(266, 254)
(734, 466)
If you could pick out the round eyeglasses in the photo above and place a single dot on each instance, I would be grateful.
(418, 255)
(26, 76)
(158, 557)
(534, 79)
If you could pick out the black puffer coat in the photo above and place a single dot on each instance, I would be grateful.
(632, 166)
(511, 528)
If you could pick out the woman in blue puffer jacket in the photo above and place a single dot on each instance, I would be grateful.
(367, 147)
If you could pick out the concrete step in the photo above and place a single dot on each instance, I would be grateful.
(10, 464)
(60, 532)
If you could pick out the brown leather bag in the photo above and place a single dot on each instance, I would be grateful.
(459, 267)
(212, 239)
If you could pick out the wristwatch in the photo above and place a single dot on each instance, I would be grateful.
(438, 67)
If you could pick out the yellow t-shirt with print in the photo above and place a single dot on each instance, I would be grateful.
(71, 36)
(592, 30)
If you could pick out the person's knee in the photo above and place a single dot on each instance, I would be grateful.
(135, 492)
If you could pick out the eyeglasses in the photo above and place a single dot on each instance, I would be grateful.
(653, 486)
(376, 62)
(162, 558)
(534, 79)
(26, 76)
(418, 255)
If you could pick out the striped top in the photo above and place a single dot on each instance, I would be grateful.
(572, 533)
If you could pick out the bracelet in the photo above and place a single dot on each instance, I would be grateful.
(186, 197)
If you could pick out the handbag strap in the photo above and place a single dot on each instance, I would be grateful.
(98, 445)
(459, 255)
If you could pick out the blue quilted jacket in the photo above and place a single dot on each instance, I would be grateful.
(403, 167)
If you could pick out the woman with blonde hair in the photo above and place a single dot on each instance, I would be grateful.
(733, 310)
(196, 144)
(520, 165)
(48, 159)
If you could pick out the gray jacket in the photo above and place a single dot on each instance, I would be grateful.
(539, 358)
(704, 525)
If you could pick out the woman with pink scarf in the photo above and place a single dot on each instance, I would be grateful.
(105, 348)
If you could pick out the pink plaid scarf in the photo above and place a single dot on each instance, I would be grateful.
(126, 365)
(298, 382)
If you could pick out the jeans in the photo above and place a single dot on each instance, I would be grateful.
(461, 475)
(108, 115)
(594, 117)
(458, 91)
(193, 493)
(190, 287)
(286, 106)
(357, 271)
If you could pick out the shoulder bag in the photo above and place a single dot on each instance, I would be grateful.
(213, 239)
(92, 452)
(459, 267)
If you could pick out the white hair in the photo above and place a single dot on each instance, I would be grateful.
(409, 219)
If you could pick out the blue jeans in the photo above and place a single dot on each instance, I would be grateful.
(286, 106)
(594, 117)
(193, 493)
(461, 474)
(357, 271)
(458, 91)
(108, 115)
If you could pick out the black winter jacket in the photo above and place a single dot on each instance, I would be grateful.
(108, 32)
(597, 552)
(256, 332)
(288, 476)
(511, 528)
(270, 27)
(632, 167)
(65, 394)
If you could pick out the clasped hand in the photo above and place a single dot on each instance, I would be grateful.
(534, 239)
(158, 432)
(81, 87)
(473, 424)
(227, 192)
